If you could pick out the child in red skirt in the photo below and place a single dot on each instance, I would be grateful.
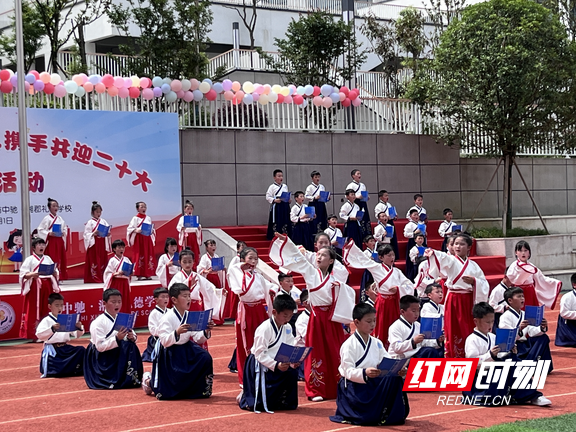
(97, 246)
(142, 243)
(54, 230)
(190, 237)
(115, 278)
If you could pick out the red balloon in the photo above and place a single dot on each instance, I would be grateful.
(108, 80)
(48, 88)
(344, 90)
(316, 91)
(6, 87)
(280, 99)
(353, 94)
(298, 100)
(133, 92)
(346, 102)
(211, 95)
(4, 75)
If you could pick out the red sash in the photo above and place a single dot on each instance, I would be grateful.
(55, 218)
(39, 261)
(522, 265)
(322, 284)
(143, 216)
(189, 280)
(246, 288)
(464, 267)
(97, 223)
(386, 277)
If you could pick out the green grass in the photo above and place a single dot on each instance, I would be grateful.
(494, 232)
(563, 423)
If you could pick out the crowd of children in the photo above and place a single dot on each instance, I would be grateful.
(342, 365)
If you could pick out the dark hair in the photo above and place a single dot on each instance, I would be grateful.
(384, 249)
(431, 287)
(332, 216)
(361, 310)
(54, 296)
(298, 193)
(282, 276)
(95, 206)
(412, 211)
(303, 296)
(314, 173)
(138, 204)
(117, 243)
(379, 213)
(284, 302)
(349, 191)
(408, 300)
(509, 293)
(573, 279)
(419, 235)
(240, 243)
(170, 241)
(16, 233)
(523, 244)
(332, 253)
(245, 252)
(382, 192)
(109, 293)
(276, 171)
(210, 242)
(416, 196)
(368, 238)
(50, 201)
(354, 171)
(188, 203)
(466, 238)
(446, 211)
(480, 310)
(38, 240)
(178, 288)
(186, 252)
(159, 291)
(319, 235)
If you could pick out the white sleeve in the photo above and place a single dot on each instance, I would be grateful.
(260, 350)
(88, 235)
(167, 333)
(309, 191)
(565, 311)
(414, 254)
(44, 228)
(408, 231)
(209, 297)
(270, 196)
(44, 330)
(102, 343)
(344, 212)
(398, 345)
(472, 351)
(294, 214)
(348, 367)
(204, 263)
(439, 262)
(442, 229)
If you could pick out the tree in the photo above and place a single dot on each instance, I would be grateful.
(312, 48)
(504, 70)
(441, 13)
(249, 20)
(59, 19)
(173, 36)
(410, 34)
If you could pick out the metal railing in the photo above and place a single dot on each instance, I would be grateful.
(114, 64)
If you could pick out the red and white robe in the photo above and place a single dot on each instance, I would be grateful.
(55, 246)
(189, 237)
(143, 247)
(219, 280)
(165, 271)
(538, 289)
(121, 283)
(97, 250)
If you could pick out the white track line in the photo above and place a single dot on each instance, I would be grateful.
(44, 395)
(19, 368)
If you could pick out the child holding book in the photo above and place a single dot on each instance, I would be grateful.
(369, 252)
(189, 237)
(433, 308)
(142, 242)
(532, 342)
(333, 231)
(97, 244)
(231, 304)
(405, 338)
(161, 298)
(168, 263)
(538, 289)
(271, 385)
(380, 233)
(216, 277)
(254, 305)
(115, 277)
(497, 300)
(391, 284)
(112, 358)
(446, 227)
(313, 196)
(181, 368)
(53, 230)
(352, 227)
(566, 330)
(385, 207)
(59, 359)
(302, 223)
(36, 287)
(364, 397)
(481, 344)
(418, 201)
(413, 254)
(279, 215)
(362, 202)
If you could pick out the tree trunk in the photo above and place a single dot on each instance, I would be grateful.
(82, 47)
(507, 194)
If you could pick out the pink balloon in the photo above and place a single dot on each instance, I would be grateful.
(259, 89)
(59, 91)
(280, 99)
(100, 88)
(145, 82)
(342, 96)
(77, 79)
(176, 85)
(346, 103)
(180, 94)
(344, 90)
(134, 92)
(113, 91)
(288, 99)
(84, 77)
(122, 92)
(239, 94)
(88, 86)
(326, 102)
(317, 101)
(236, 86)
(267, 89)
(127, 82)
(108, 80)
(119, 82)
(36, 74)
(188, 96)
(356, 102)
(194, 84)
(228, 95)
(147, 93)
(211, 95)
(316, 91)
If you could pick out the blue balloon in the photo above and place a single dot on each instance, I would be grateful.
(308, 90)
(157, 81)
(326, 90)
(300, 90)
(218, 88)
(335, 97)
(198, 95)
(171, 96)
(208, 80)
(166, 80)
(30, 78)
(248, 99)
(94, 79)
(166, 88)
(157, 91)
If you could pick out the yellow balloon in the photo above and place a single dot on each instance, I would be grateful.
(284, 91)
(135, 81)
(248, 87)
(276, 88)
(263, 100)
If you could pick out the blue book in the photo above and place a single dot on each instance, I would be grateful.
(218, 264)
(421, 250)
(103, 230)
(341, 242)
(292, 354)
(389, 231)
(191, 221)
(364, 196)
(124, 320)
(456, 228)
(127, 269)
(359, 214)
(285, 196)
(423, 217)
(67, 322)
(146, 229)
(375, 257)
(534, 315)
(57, 230)
(310, 211)
(431, 328)
(324, 196)
(199, 321)
(46, 269)
(392, 366)
(422, 227)
(176, 259)
(392, 212)
(506, 338)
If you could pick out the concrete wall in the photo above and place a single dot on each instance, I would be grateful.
(226, 174)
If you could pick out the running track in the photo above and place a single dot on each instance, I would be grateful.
(28, 403)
